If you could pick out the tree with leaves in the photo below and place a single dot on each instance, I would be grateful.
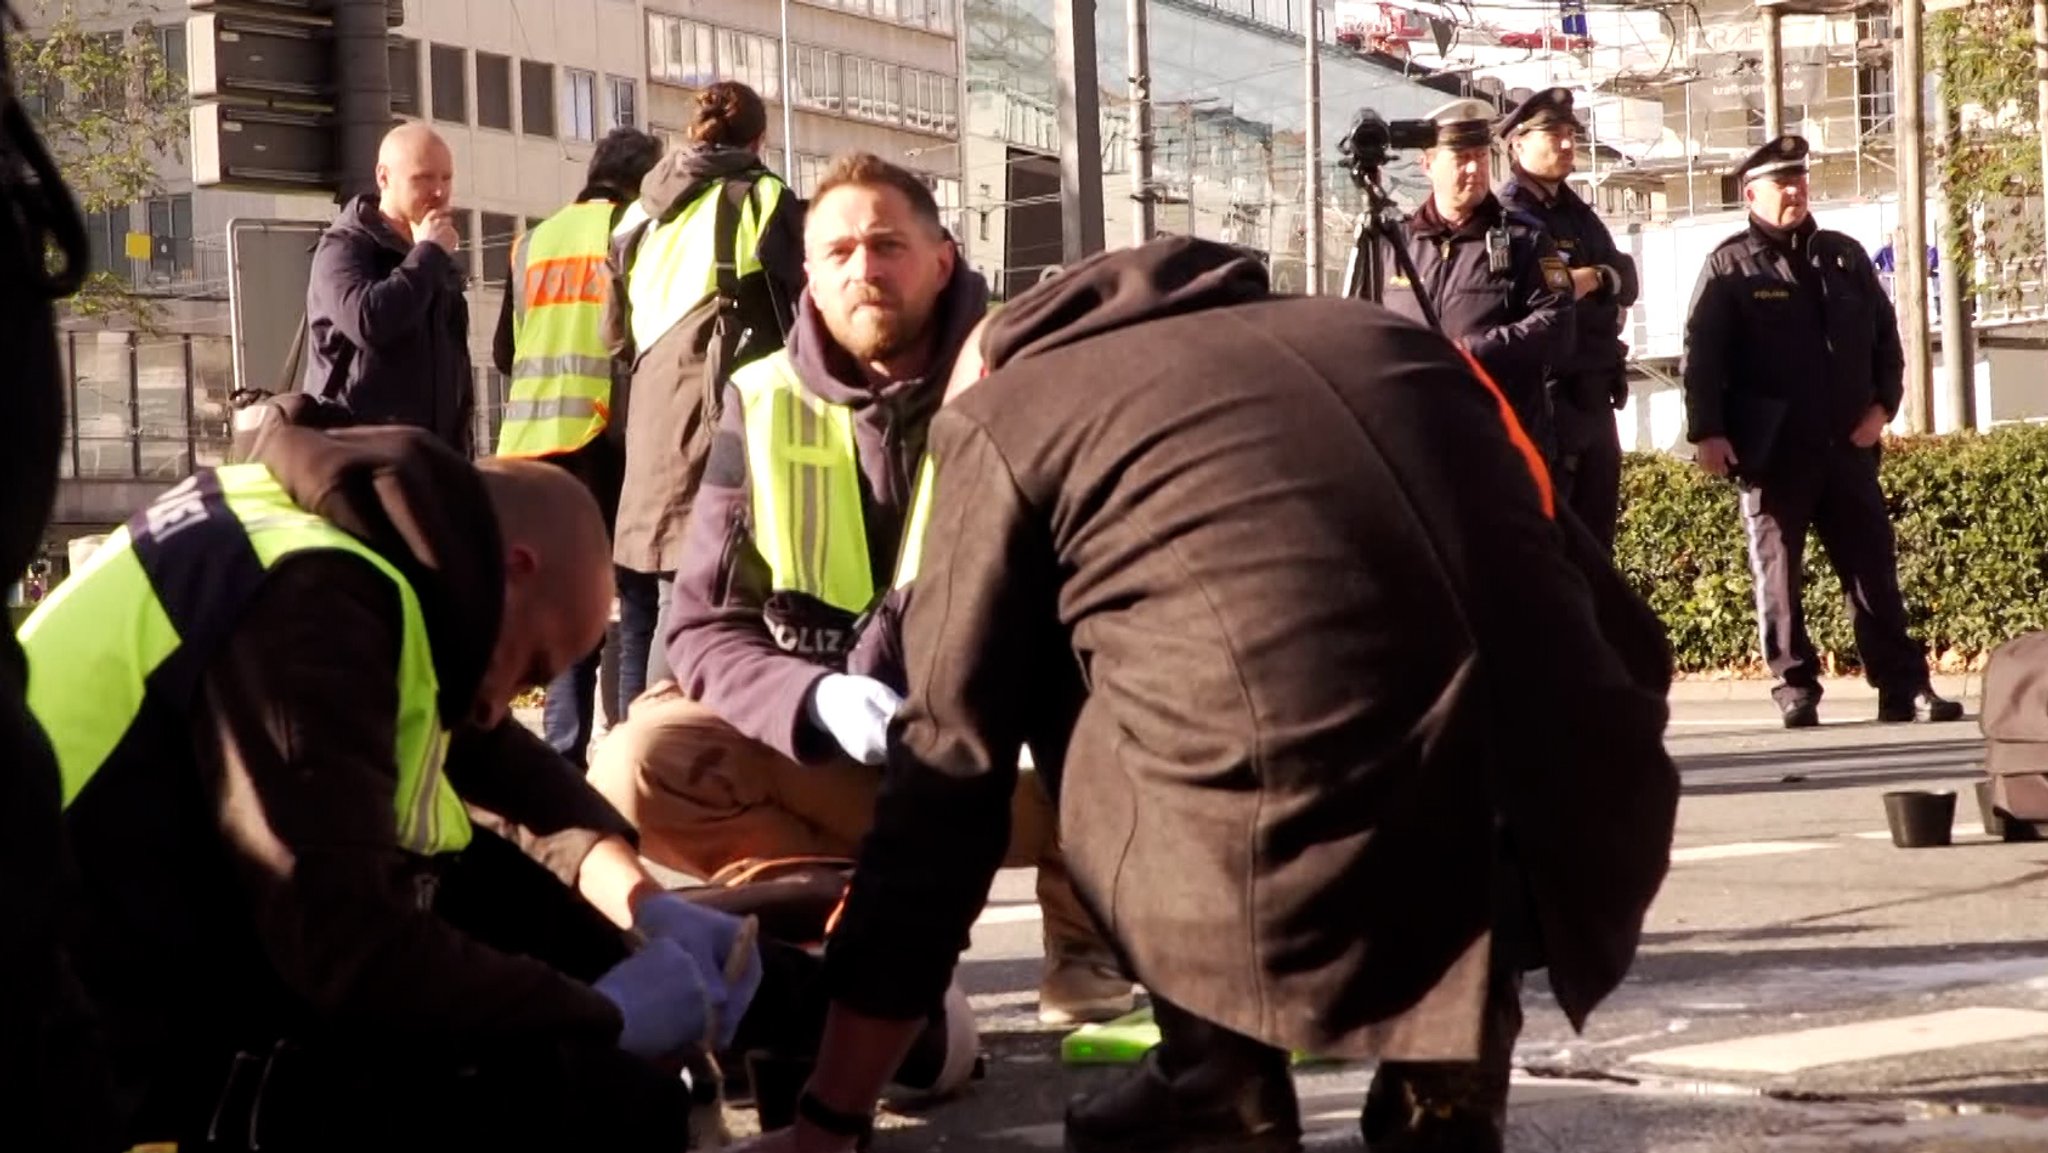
(112, 113)
(1991, 163)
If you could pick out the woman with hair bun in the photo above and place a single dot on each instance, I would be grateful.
(683, 326)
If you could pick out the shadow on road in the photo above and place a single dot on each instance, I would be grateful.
(1833, 766)
(1728, 967)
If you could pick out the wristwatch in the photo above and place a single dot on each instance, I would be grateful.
(858, 1126)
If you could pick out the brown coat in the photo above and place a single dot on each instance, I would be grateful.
(1290, 566)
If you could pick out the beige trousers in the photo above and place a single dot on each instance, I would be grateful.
(705, 797)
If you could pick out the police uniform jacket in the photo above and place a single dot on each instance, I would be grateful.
(1789, 341)
(1515, 322)
(1230, 565)
(1592, 375)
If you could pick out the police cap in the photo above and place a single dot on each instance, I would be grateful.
(1783, 156)
(1463, 124)
(1542, 109)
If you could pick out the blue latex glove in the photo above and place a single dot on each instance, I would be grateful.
(856, 711)
(710, 937)
(665, 999)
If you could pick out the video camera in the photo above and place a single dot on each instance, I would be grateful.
(1373, 136)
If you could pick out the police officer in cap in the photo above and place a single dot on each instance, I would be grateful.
(1493, 278)
(1588, 385)
(1792, 369)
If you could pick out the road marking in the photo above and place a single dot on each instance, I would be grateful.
(1845, 1044)
(1745, 849)
(1009, 915)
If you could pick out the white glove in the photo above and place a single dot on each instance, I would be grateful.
(856, 711)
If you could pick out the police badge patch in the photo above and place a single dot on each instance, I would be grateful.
(1556, 276)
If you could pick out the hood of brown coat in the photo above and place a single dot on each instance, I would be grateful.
(424, 509)
(1119, 289)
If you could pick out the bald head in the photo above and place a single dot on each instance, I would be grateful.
(415, 173)
(558, 578)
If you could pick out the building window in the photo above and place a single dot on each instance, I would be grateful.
(751, 60)
(170, 44)
(873, 90)
(679, 52)
(405, 77)
(536, 98)
(1874, 95)
(106, 237)
(170, 237)
(496, 246)
(579, 104)
(108, 89)
(450, 68)
(930, 101)
(493, 91)
(810, 169)
(816, 71)
(625, 102)
(465, 240)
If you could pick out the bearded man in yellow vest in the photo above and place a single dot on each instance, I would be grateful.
(566, 404)
(782, 634)
(331, 895)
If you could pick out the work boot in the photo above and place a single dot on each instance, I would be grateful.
(1083, 980)
(1202, 1089)
(1450, 1106)
(1078, 989)
(1800, 714)
(1919, 705)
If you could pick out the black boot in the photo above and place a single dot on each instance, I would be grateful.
(1919, 705)
(1204, 1089)
(1450, 1106)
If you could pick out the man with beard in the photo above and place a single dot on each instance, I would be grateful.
(781, 639)
(1589, 384)
(1489, 274)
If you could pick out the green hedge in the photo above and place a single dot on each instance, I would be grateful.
(1971, 512)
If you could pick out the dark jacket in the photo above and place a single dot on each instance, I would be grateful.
(243, 880)
(391, 313)
(675, 385)
(724, 626)
(1268, 537)
(1516, 323)
(1789, 341)
(1594, 375)
(53, 1074)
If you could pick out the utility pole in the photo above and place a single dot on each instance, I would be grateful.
(1080, 124)
(1958, 335)
(363, 98)
(1140, 61)
(1911, 252)
(788, 100)
(1774, 71)
(1312, 145)
(2041, 104)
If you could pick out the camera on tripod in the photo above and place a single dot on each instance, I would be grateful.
(1373, 138)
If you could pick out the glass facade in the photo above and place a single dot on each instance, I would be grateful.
(1228, 114)
(144, 407)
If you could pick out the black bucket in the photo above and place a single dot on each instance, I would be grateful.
(1920, 820)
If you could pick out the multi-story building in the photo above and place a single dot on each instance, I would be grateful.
(1229, 110)
(521, 90)
(878, 76)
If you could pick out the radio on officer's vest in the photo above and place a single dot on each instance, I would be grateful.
(1497, 250)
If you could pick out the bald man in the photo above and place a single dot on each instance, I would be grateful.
(387, 324)
(331, 895)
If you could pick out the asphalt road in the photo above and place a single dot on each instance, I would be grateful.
(1788, 918)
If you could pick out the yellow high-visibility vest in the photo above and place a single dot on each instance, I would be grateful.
(561, 371)
(137, 624)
